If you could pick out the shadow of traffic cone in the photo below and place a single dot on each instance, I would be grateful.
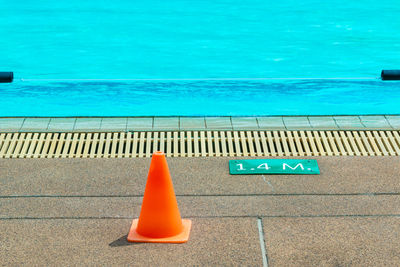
(159, 220)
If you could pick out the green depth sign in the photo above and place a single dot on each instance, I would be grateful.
(274, 166)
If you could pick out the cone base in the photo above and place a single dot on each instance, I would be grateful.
(183, 237)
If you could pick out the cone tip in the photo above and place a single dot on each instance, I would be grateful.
(158, 153)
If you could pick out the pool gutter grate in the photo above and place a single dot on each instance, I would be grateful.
(200, 144)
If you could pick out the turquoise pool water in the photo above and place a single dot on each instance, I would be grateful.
(236, 98)
(180, 39)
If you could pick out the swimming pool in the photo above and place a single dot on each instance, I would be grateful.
(181, 39)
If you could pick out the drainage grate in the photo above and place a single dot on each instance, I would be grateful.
(200, 144)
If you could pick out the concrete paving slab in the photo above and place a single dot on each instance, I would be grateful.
(332, 241)
(61, 242)
(375, 122)
(203, 206)
(394, 121)
(11, 124)
(61, 124)
(192, 123)
(245, 123)
(167, 123)
(122, 177)
(140, 124)
(323, 123)
(297, 123)
(271, 123)
(349, 122)
(87, 124)
(35, 124)
(114, 124)
(219, 123)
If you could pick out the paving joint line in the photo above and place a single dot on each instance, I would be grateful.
(74, 126)
(337, 124)
(284, 124)
(262, 242)
(22, 125)
(209, 195)
(258, 123)
(48, 125)
(211, 217)
(101, 123)
(359, 117)
(389, 122)
(309, 123)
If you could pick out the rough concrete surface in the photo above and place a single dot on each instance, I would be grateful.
(333, 241)
(206, 206)
(78, 212)
(65, 242)
(193, 176)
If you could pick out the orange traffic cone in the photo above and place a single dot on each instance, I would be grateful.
(159, 220)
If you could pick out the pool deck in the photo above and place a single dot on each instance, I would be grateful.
(78, 212)
(113, 124)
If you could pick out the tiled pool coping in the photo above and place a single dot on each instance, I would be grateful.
(114, 124)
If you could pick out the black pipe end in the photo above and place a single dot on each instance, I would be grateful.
(390, 75)
(6, 77)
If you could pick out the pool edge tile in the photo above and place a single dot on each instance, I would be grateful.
(245, 123)
(349, 122)
(114, 124)
(274, 123)
(219, 123)
(61, 124)
(376, 122)
(296, 123)
(11, 124)
(322, 123)
(87, 124)
(140, 124)
(166, 123)
(35, 124)
(192, 123)
(394, 121)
